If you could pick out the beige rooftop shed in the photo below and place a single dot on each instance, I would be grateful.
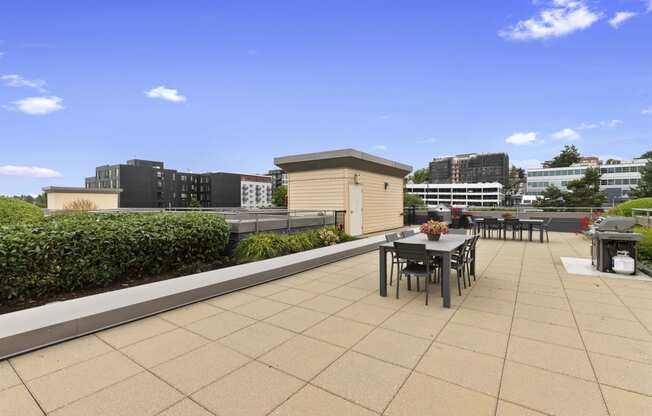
(368, 188)
(58, 197)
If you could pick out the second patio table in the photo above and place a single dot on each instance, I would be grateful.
(530, 222)
(443, 248)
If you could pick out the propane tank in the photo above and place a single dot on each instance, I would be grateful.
(623, 263)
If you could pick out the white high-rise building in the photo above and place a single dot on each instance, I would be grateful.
(616, 179)
(459, 194)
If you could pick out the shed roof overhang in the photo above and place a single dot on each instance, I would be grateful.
(344, 158)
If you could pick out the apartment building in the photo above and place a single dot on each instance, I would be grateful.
(470, 168)
(616, 179)
(459, 194)
(148, 184)
(279, 177)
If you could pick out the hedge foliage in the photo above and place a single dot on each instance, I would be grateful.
(625, 208)
(645, 248)
(14, 211)
(267, 245)
(79, 251)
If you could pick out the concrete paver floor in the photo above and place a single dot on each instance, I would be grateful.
(526, 339)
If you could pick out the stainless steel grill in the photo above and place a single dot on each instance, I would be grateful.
(611, 235)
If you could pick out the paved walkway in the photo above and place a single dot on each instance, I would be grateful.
(526, 339)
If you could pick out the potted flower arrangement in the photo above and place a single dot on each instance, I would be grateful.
(434, 229)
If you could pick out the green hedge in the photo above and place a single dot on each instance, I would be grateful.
(14, 211)
(267, 245)
(625, 208)
(645, 248)
(79, 251)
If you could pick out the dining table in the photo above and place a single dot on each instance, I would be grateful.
(529, 222)
(442, 248)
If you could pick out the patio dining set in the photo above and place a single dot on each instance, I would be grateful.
(487, 227)
(428, 261)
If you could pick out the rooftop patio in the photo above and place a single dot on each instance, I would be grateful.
(526, 339)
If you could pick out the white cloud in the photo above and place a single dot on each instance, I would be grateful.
(38, 105)
(527, 163)
(167, 94)
(566, 134)
(620, 18)
(560, 18)
(521, 138)
(649, 6)
(604, 124)
(15, 80)
(647, 110)
(2, 54)
(29, 171)
(612, 123)
(380, 147)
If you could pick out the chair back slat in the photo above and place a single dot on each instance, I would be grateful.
(411, 252)
(491, 221)
(391, 237)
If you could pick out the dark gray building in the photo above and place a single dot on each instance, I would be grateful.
(147, 184)
(471, 168)
(279, 177)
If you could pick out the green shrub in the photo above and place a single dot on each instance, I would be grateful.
(645, 248)
(14, 211)
(268, 245)
(78, 251)
(625, 208)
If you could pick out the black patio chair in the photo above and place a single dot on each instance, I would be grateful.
(515, 226)
(407, 233)
(491, 225)
(545, 226)
(417, 263)
(390, 238)
(461, 263)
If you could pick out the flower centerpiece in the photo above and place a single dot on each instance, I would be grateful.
(434, 229)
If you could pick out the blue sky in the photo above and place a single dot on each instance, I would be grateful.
(228, 85)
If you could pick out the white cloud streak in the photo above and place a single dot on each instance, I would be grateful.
(167, 94)
(620, 18)
(527, 163)
(647, 110)
(17, 81)
(520, 138)
(380, 147)
(28, 171)
(566, 134)
(38, 105)
(559, 18)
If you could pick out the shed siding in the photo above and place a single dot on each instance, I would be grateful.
(383, 208)
(317, 189)
(58, 200)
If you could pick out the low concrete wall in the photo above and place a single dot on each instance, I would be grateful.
(241, 229)
(41, 326)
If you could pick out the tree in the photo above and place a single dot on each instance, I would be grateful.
(195, 204)
(568, 156)
(41, 200)
(420, 176)
(280, 196)
(644, 187)
(585, 192)
(613, 162)
(412, 200)
(552, 197)
(646, 155)
(516, 179)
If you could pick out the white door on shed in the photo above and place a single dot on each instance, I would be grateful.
(355, 209)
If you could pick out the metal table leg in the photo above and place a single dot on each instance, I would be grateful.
(446, 278)
(382, 254)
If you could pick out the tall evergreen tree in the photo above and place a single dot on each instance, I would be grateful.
(568, 156)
